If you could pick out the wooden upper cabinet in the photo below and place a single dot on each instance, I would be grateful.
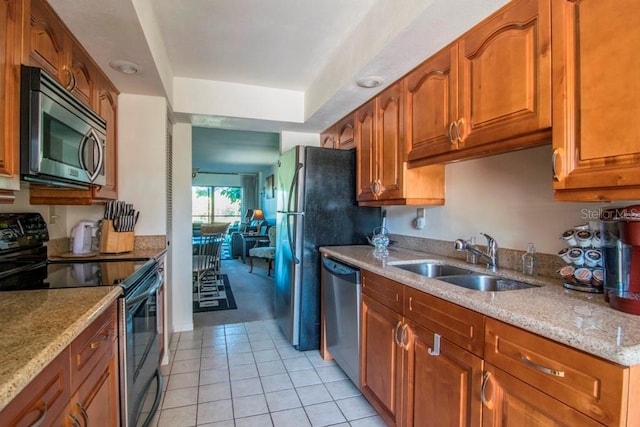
(46, 44)
(383, 175)
(345, 133)
(389, 118)
(328, 137)
(505, 78)
(83, 74)
(366, 151)
(107, 108)
(10, 56)
(432, 105)
(596, 108)
(489, 92)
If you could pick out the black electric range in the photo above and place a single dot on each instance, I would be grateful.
(24, 264)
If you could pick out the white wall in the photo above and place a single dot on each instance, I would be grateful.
(180, 295)
(289, 140)
(142, 159)
(508, 196)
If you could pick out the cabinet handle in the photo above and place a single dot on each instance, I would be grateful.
(72, 79)
(451, 139)
(83, 411)
(404, 344)
(395, 334)
(410, 301)
(435, 351)
(459, 126)
(554, 171)
(104, 335)
(43, 415)
(483, 396)
(75, 420)
(544, 369)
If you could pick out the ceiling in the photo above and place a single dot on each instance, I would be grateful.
(316, 49)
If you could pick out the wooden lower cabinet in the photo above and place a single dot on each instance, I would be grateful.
(79, 387)
(511, 402)
(381, 359)
(405, 375)
(441, 382)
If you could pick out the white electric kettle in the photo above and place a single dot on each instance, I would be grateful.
(81, 235)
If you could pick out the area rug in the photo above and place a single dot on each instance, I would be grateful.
(225, 301)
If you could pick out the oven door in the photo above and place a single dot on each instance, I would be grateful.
(141, 351)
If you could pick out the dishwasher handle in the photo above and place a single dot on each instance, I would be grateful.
(343, 271)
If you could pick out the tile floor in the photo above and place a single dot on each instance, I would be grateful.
(247, 374)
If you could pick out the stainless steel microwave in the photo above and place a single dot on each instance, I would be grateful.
(62, 141)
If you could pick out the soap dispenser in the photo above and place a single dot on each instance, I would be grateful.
(529, 260)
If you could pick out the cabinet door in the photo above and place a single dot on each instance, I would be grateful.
(505, 78)
(45, 42)
(107, 108)
(83, 75)
(96, 402)
(345, 134)
(366, 152)
(596, 108)
(432, 105)
(381, 359)
(390, 141)
(511, 402)
(443, 382)
(9, 85)
(328, 137)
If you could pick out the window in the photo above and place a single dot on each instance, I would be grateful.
(216, 204)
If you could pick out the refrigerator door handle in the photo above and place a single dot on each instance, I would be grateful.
(294, 182)
(289, 236)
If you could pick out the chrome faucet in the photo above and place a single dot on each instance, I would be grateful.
(491, 256)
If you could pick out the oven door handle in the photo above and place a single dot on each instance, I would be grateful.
(149, 293)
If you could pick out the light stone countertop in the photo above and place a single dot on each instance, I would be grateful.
(577, 319)
(36, 325)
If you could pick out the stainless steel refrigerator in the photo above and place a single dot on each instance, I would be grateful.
(316, 207)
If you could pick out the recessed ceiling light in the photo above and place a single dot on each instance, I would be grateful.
(370, 82)
(125, 67)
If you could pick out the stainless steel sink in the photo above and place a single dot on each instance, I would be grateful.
(430, 269)
(484, 283)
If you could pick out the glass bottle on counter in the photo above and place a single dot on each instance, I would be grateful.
(529, 260)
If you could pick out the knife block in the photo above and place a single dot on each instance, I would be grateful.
(115, 242)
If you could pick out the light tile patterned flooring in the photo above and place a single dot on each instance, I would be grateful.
(247, 374)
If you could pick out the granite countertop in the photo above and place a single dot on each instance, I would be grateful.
(36, 325)
(136, 254)
(577, 319)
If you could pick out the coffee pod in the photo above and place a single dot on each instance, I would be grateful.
(564, 254)
(598, 277)
(566, 273)
(596, 242)
(583, 275)
(593, 257)
(584, 238)
(576, 256)
(569, 237)
(581, 227)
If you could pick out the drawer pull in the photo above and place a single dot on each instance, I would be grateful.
(483, 396)
(104, 336)
(451, 138)
(43, 415)
(404, 344)
(554, 170)
(544, 369)
(435, 351)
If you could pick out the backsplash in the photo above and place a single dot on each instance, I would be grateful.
(511, 259)
(62, 245)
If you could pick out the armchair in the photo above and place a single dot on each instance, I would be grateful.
(264, 249)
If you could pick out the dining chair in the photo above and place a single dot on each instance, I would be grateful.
(206, 270)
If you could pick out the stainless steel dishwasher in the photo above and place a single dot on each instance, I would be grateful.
(342, 315)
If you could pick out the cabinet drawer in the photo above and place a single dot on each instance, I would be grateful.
(459, 325)
(591, 385)
(91, 344)
(43, 398)
(385, 291)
